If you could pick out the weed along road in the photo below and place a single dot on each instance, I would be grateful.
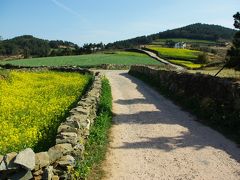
(152, 138)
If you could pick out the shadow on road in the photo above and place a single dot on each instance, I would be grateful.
(197, 135)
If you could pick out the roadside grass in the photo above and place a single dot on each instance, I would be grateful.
(173, 53)
(227, 73)
(121, 58)
(96, 145)
(187, 64)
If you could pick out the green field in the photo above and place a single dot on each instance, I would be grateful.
(124, 58)
(173, 53)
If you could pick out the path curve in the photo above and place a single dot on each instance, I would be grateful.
(154, 56)
(154, 139)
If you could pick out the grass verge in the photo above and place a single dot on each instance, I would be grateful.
(96, 146)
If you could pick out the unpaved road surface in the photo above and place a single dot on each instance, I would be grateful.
(155, 56)
(154, 139)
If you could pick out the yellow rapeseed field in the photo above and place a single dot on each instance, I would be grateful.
(33, 104)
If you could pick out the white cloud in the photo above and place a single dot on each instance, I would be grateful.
(68, 9)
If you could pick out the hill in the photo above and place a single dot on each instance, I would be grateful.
(29, 46)
(196, 31)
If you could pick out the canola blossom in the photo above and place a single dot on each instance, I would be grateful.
(33, 104)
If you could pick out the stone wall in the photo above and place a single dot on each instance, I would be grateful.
(59, 160)
(216, 100)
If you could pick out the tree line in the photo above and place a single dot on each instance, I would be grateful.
(233, 58)
(30, 46)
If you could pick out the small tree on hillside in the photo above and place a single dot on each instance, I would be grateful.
(202, 58)
(233, 55)
(234, 52)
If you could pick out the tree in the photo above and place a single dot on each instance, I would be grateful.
(170, 43)
(233, 55)
(202, 58)
(234, 52)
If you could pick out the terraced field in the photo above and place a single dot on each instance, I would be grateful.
(124, 58)
(173, 53)
(191, 41)
(187, 64)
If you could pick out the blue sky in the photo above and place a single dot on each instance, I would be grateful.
(84, 21)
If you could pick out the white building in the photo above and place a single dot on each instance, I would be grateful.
(180, 45)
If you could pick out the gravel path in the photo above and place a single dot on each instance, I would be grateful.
(155, 56)
(154, 139)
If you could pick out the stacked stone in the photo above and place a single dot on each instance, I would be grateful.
(59, 160)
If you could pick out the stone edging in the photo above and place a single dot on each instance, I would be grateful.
(59, 160)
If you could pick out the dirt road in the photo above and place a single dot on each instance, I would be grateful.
(154, 139)
(155, 56)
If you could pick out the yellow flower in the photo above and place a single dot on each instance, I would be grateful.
(33, 104)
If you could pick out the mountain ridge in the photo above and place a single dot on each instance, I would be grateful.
(197, 31)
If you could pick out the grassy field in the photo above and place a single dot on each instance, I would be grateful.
(173, 53)
(33, 104)
(187, 64)
(125, 58)
(229, 73)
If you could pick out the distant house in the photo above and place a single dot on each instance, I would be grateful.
(180, 45)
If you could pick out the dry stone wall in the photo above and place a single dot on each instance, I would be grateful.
(216, 100)
(59, 160)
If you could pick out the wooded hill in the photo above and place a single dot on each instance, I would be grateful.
(195, 31)
(29, 46)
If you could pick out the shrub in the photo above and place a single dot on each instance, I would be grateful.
(202, 58)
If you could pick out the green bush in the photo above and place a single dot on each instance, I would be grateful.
(202, 58)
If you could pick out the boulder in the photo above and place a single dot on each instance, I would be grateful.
(66, 128)
(55, 177)
(1, 158)
(57, 151)
(73, 122)
(48, 173)
(66, 161)
(42, 160)
(26, 159)
(7, 162)
(38, 172)
(21, 175)
(67, 137)
(80, 110)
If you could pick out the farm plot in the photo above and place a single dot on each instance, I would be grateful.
(188, 64)
(33, 104)
(123, 58)
(173, 53)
